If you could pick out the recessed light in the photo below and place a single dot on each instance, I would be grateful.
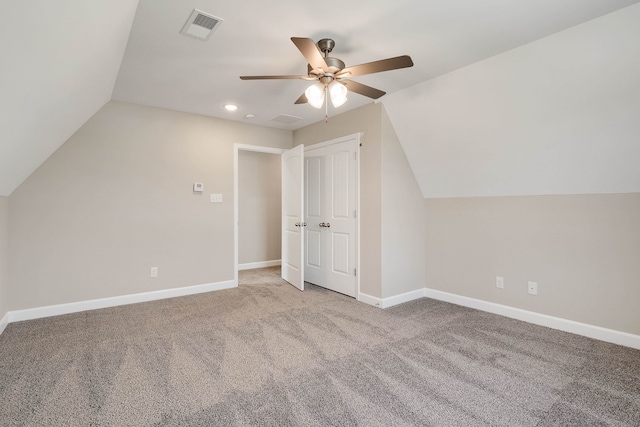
(231, 107)
(250, 116)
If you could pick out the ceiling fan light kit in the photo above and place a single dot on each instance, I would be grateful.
(338, 93)
(315, 95)
(331, 75)
(317, 92)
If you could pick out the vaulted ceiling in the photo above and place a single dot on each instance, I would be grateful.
(62, 61)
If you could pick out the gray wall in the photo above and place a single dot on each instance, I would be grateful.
(117, 199)
(4, 255)
(561, 116)
(583, 250)
(367, 120)
(259, 207)
(403, 227)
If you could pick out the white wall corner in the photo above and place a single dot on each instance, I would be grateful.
(74, 307)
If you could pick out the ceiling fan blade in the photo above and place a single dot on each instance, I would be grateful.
(363, 89)
(302, 100)
(310, 51)
(389, 64)
(275, 77)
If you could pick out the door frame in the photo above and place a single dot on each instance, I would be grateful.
(236, 152)
(358, 138)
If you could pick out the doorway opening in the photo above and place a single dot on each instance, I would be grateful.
(257, 193)
(335, 237)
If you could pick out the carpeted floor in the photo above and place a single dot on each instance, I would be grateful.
(267, 354)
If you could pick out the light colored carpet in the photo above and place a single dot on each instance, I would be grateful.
(268, 354)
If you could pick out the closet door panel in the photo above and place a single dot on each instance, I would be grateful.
(315, 212)
(340, 191)
(341, 222)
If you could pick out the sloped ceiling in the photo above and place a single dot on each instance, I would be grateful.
(63, 60)
(59, 62)
(560, 115)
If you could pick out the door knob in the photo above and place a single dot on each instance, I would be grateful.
(328, 225)
(297, 224)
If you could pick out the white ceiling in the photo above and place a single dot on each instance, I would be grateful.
(165, 69)
(62, 69)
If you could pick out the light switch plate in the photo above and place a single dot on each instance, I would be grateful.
(216, 198)
(198, 187)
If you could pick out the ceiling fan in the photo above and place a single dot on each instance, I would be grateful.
(331, 76)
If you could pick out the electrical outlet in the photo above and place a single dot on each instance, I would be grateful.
(499, 282)
(533, 288)
(154, 271)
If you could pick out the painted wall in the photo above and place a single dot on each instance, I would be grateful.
(4, 255)
(117, 199)
(367, 120)
(560, 115)
(582, 250)
(259, 207)
(403, 226)
(55, 75)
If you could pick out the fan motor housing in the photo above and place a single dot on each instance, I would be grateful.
(335, 65)
(326, 45)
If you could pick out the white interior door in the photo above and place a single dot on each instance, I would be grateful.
(292, 212)
(331, 203)
(340, 225)
(314, 214)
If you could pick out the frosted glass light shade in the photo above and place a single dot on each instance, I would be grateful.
(338, 93)
(315, 95)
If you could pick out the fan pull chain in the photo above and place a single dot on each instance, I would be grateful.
(326, 105)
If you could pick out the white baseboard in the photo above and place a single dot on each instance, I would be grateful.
(390, 301)
(74, 307)
(591, 331)
(259, 264)
(368, 299)
(4, 322)
(402, 298)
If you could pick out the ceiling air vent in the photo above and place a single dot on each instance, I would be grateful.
(201, 25)
(286, 119)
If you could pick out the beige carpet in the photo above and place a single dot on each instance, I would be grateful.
(268, 354)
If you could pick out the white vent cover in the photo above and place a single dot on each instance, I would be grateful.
(286, 119)
(201, 25)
